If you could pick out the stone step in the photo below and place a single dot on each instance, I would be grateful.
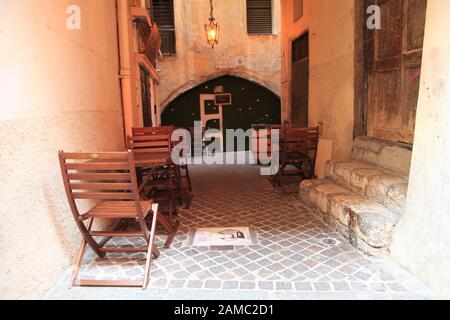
(366, 223)
(371, 182)
(392, 156)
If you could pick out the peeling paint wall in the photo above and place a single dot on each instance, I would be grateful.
(422, 240)
(58, 90)
(252, 57)
(331, 81)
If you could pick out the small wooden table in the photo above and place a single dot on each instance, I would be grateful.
(154, 161)
(151, 159)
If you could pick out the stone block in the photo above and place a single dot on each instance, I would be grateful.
(372, 223)
(366, 248)
(339, 207)
(388, 155)
(396, 197)
(368, 224)
(305, 190)
(320, 195)
(343, 170)
(343, 230)
(360, 178)
(308, 184)
(356, 175)
(389, 190)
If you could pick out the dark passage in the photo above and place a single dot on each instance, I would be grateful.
(251, 104)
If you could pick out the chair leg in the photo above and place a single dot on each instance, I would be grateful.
(80, 257)
(172, 205)
(188, 178)
(76, 270)
(170, 228)
(187, 195)
(152, 252)
(280, 182)
(151, 248)
(179, 184)
(156, 252)
(283, 187)
(185, 187)
(172, 235)
(312, 167)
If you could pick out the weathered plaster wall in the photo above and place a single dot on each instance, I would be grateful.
(422, 240)
(58, 90)
(196, 62)
(331, 82)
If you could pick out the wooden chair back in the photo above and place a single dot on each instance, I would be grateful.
(151, 140)
(297, 142)
(152, 130)
(104, 176)
(262, 140)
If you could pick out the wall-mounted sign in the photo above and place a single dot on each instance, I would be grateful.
(218, 89)
(240, 62)
(223, 99)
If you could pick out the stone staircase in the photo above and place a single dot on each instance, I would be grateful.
(363, 198)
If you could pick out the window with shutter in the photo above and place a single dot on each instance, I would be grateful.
(163, 15)
(259, 16)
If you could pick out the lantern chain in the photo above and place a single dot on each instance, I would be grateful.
(212, 10)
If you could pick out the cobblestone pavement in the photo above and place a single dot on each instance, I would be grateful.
(298, 256)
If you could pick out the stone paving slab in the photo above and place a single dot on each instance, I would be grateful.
(298, 257)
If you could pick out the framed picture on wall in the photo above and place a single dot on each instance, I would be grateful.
(223, 99)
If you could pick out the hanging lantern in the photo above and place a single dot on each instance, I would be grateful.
(212, 29)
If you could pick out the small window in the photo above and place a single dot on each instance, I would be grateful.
(259, 16)
(298, 10)
(300, 48)
(163, 15)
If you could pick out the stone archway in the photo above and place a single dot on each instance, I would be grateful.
(239, 73)
(251, 104)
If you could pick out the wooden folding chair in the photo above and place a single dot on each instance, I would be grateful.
(153, 147)
(152, 154)
(182, 179)
(262, 142)
(110, 180)
(298, 153)
(182, 171)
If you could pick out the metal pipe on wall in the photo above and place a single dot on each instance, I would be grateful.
(126, 61)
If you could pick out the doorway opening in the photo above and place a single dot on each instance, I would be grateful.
(249, 104)
(300, 81)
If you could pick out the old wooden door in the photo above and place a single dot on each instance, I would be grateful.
(394, 56)
(300, 81)
(146, 98)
